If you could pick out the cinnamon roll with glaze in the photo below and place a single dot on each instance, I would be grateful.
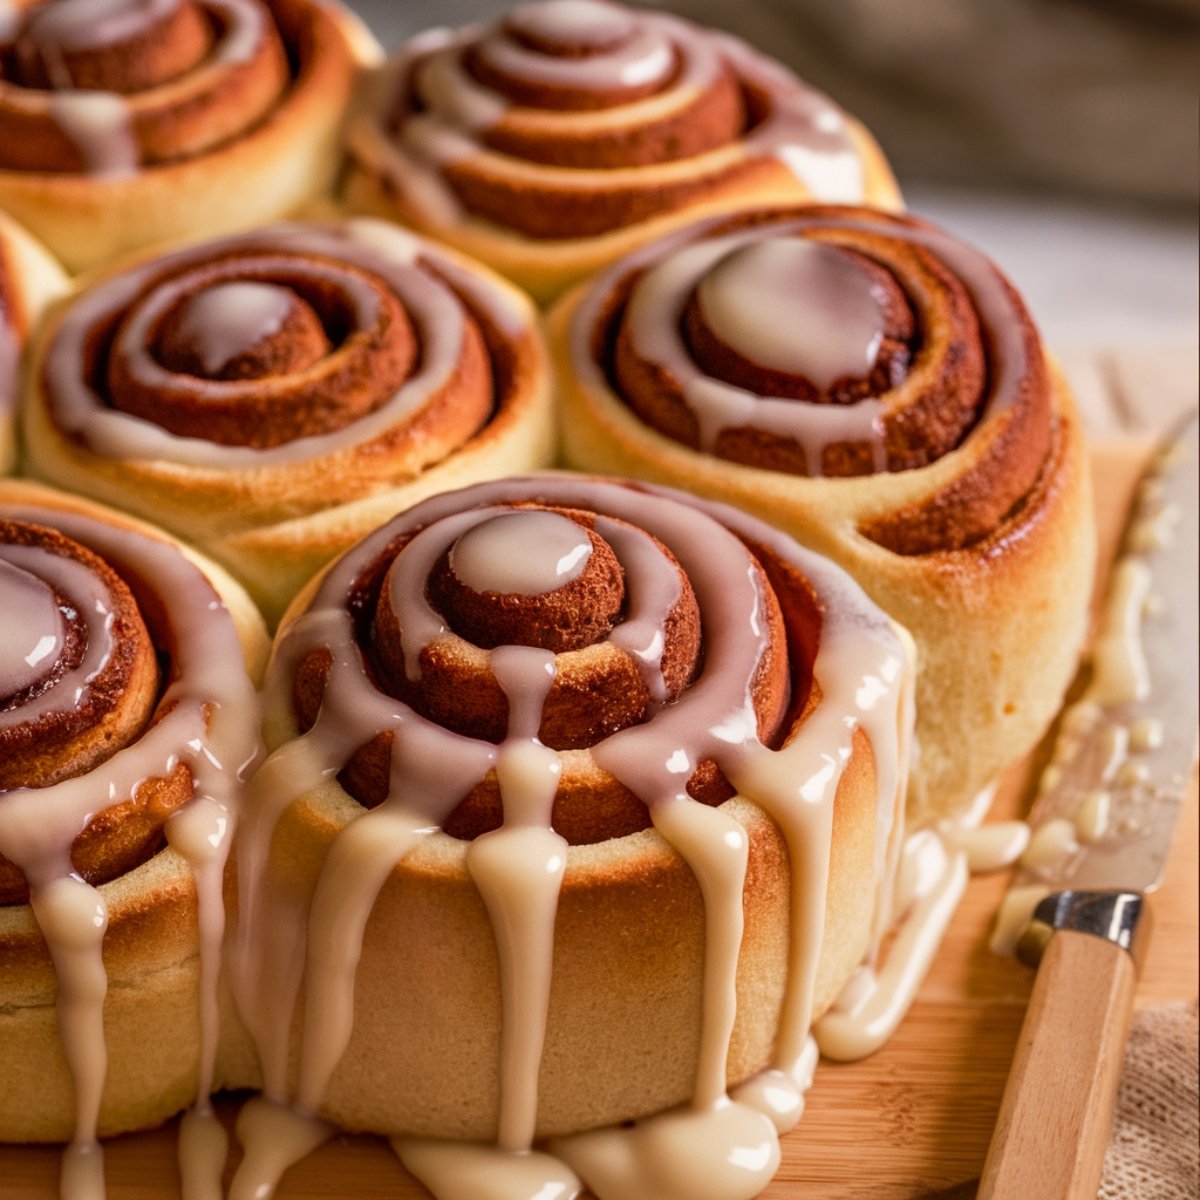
(125, 124)
(877, 388)
(29, 280)
(127, 716)
(583, 800)
(274, 395)
(572, 131)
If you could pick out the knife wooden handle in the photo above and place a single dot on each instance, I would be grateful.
(1056, 1114)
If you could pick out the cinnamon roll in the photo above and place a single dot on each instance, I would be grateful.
(878, 389)
(274, 395)
(123, 124)
(582, 802)
(29, 280)
(571, 131)
(127, 715)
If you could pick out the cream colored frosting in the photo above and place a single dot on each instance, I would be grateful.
(795, 305)
(452, 110)
(718, 1147)
(694, 261)
(521, 553)
(334, 257)
(208, 708)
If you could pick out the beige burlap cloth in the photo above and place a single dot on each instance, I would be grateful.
(1155, 1149)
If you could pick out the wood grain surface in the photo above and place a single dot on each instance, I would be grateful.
(912, 1121)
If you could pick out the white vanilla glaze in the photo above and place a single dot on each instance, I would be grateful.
(32, 633)
(716, 1148)
(495, 557)
(1051, 845)
(989, 847)
(1014, 915)
(98, 123)
(1096, 787)
(584, 23)
(208, 709)
(31, 573)
(655, 313)
(333, 256)
(86, 24)
(1093, 815)
(642, 56)
(932, 880)
(668, 272)
(1119, 673)
(10, 357)
(934, 871)
(447, 112)
(100, 127)
(225, 321)
(1155, 530)
(10, 20)
(795, 305)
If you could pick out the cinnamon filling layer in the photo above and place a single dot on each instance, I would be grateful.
(835, 342)
(835, 677)
(280, 345)
(80, 679)
(131, 717)
(574, 118)
(109, 86)
(607, 603)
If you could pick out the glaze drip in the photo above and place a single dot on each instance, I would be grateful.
(202, 725)
(312, 945)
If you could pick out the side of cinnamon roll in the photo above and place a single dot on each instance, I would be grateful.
(571, 131)
(29, 280)
(583, 801)
(274, 395)
(122, 126)
(877, 388)
(126, 718)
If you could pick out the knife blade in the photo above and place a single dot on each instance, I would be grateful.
(1107, 807)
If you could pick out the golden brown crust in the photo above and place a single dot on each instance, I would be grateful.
(960, 549)
(324, 443)
(630, 910)
(223, 146)
(625, 1003)
(30, 280)
(184, 96)
(150, 944)
(58, 744)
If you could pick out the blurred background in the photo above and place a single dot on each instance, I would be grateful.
(1061, 136)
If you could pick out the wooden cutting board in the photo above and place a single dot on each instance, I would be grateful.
(912, 1121)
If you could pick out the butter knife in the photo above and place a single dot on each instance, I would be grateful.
(1102, 822)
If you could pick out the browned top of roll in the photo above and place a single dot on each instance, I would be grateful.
(81, 680)
(272, 340)
(445, 670)
(831, 341)
(112, 86)
(573, 120)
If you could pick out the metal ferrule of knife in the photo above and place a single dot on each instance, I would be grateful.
(1102, 822)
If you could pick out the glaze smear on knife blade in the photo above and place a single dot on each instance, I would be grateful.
(1109, 801)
